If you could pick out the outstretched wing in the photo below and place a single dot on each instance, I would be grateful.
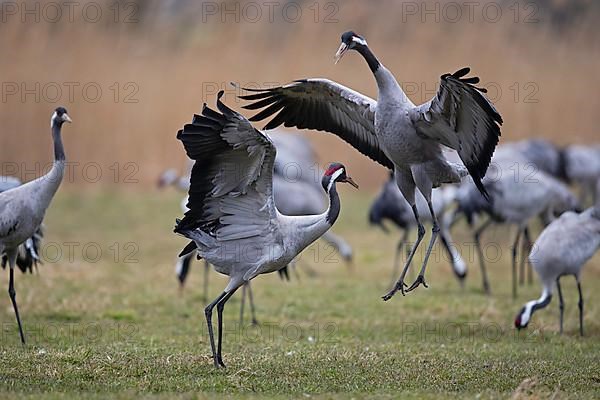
(462, 118)
(322, 105)
(231, 193)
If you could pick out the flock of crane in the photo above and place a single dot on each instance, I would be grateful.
(246, 216)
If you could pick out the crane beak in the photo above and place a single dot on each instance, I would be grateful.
(351, 182)
(66, 118)
(340, 53)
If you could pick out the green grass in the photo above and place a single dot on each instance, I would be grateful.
(116, 324)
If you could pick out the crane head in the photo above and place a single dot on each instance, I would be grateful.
(519, 320)
(59, 117)
(336, 172)
(350, 40)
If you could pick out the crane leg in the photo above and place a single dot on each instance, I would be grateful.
(208, 315)
(580, 304)
(252, 308)
(396, 266)
(220, 307)
(284, 273)
(435, 230)
(12, 256)
(242, 305)
(458, 266)
(453, 219)
(247, 288)
(561, 305)
(477, 237)
(526, 256)
(293, 266)
(400, 283)
(514, 262)
(525, 248)
(446, 245)
(205, 283)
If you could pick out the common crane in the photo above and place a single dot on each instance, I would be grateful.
(518, 195)
(562, 249)
(232, 220)
(296, 191)
(582, 166)
(22, 209)
(393, 131)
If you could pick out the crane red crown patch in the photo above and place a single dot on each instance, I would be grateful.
(332, 169)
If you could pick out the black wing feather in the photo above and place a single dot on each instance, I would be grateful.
(310, 104)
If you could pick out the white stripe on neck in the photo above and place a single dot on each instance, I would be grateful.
(52, 119)
(526, 316)
(334, 176)
(359, 40)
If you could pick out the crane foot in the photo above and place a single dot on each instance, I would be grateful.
(398, 286)
(419, 281)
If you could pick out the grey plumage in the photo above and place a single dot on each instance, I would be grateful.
(171, 177)
(297, 184)
(22, 209)
(536, 154)
(393, 131)
(582, 167)
(232, 219)
(296, 158)
(518, 194)
(296, 189)
(28, 252)
(562, 249)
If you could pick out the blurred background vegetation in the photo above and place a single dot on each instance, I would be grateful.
(131, 73)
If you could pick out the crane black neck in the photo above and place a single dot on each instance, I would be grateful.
(541, 304)
(368, 56)
(59, 150)
(334, 204)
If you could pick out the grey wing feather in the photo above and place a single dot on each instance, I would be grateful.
(322, 105)
(231, 194)
(462, 118)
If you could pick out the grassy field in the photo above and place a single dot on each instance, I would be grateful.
(116, 324)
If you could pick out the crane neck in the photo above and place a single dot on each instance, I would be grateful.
(387, 85)
(369, 57)
(542, 302)
(53, 178)
(59, 150)
(535, 305)
(333, 211)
